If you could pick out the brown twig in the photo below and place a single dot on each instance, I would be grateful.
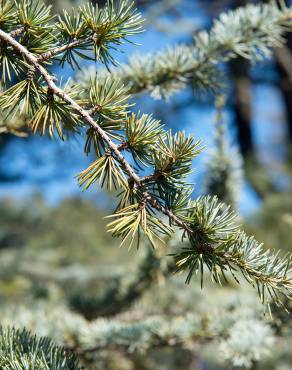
(19, 31)
(92, 111)
(61, 49)
(153, 177)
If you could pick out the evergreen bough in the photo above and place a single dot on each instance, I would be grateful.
(20, 350)
(234, 324)
(157, 204)
(248, 32)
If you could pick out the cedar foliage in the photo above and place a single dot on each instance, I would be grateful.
(159, 204)
(31, 39)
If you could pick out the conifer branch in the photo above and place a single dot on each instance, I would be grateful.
(61, 94)
(21, 350)
(91, 122)
(233, 34)
(142, 333)
(209, 226)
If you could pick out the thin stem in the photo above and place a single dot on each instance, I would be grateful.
(153, 177)
(92, 111)
(61, 49)
(19, 31)
(167, 212)
(123, 145)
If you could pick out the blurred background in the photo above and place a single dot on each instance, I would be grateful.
(61, 275)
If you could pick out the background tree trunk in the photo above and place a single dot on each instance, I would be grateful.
(284, 66)
(239, 69)
(241, 104)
